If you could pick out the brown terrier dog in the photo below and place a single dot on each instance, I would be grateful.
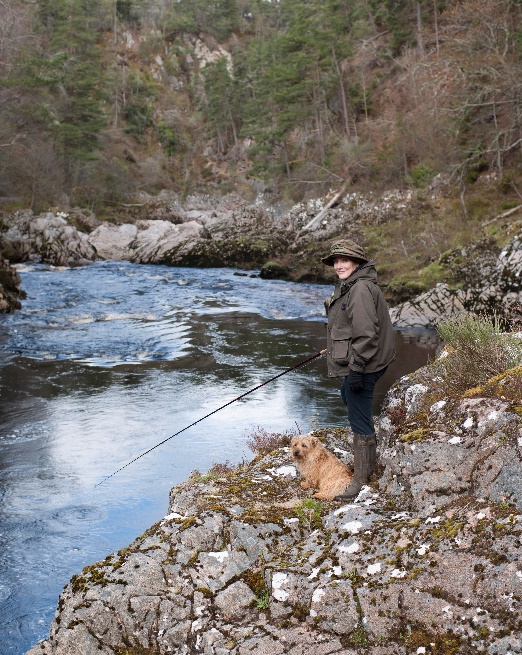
(319, 467)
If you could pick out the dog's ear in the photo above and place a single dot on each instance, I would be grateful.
(314, 441)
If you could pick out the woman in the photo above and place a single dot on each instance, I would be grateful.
(361, 345)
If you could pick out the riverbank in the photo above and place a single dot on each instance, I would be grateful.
(425, 560)
(483, 276)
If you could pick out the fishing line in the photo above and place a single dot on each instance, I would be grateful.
(263, 384)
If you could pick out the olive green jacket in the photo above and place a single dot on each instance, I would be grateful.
(360, 333)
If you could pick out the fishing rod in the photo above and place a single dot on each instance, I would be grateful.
(263, 384)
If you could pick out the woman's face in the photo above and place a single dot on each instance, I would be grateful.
(344, 267)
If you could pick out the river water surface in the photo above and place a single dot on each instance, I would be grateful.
(105, 361)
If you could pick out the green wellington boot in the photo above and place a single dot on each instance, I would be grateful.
(364, 456)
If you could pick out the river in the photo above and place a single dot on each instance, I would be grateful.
(105, 361)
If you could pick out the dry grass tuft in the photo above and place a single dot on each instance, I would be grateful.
(261, 442)
(478, 350)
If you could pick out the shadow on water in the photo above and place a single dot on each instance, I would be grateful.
(67, 421)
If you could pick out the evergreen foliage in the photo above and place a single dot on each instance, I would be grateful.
(315, 91)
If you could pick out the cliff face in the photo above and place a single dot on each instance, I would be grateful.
(426, 560)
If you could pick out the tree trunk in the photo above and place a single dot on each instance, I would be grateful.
(287, 163)
(343, 94)
(420, 41)
(318, 122)
(436, 25)
(234, 131)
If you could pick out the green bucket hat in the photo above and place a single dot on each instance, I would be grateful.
(345, 248)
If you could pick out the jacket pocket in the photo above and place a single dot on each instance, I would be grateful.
(341, 338)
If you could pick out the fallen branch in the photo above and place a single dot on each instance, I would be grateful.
(11, 143)
(513, 210)
(324, 210)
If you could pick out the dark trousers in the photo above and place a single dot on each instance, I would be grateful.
(359, 405)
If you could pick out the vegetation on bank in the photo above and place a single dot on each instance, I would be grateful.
(477, 350)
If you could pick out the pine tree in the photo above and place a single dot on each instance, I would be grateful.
(68, 71)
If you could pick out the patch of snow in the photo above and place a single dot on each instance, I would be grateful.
(221, 556)
(433, 519)
(373, 568)
(343, 509)
(285, 471)
(468, 423)
(318, 595)
(480, 515)
(397, 573)
(171, 517)
(278, 580)
(423, 549)
(438, 405)
(314, 573)
(352, 548)
(353, 526)
(454, 440)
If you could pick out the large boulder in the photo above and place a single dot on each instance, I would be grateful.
(425, 560)
(438, 447)
(113, 241)
(427, 309)
(49, 236)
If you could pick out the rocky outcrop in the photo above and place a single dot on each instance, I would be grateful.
(49, 236)
(483, 281)
(230, 234)
(228, 231)
(10, 287)
(426, 560)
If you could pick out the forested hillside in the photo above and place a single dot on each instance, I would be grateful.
(100, 98)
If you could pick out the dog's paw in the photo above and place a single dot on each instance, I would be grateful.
(322, 496)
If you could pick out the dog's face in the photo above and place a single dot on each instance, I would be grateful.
(303, 445)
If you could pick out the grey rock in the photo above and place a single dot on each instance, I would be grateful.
(113, 241)
(428, 308)
(235, 603)
(213, 570)
(488, 282)
(10, 287)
